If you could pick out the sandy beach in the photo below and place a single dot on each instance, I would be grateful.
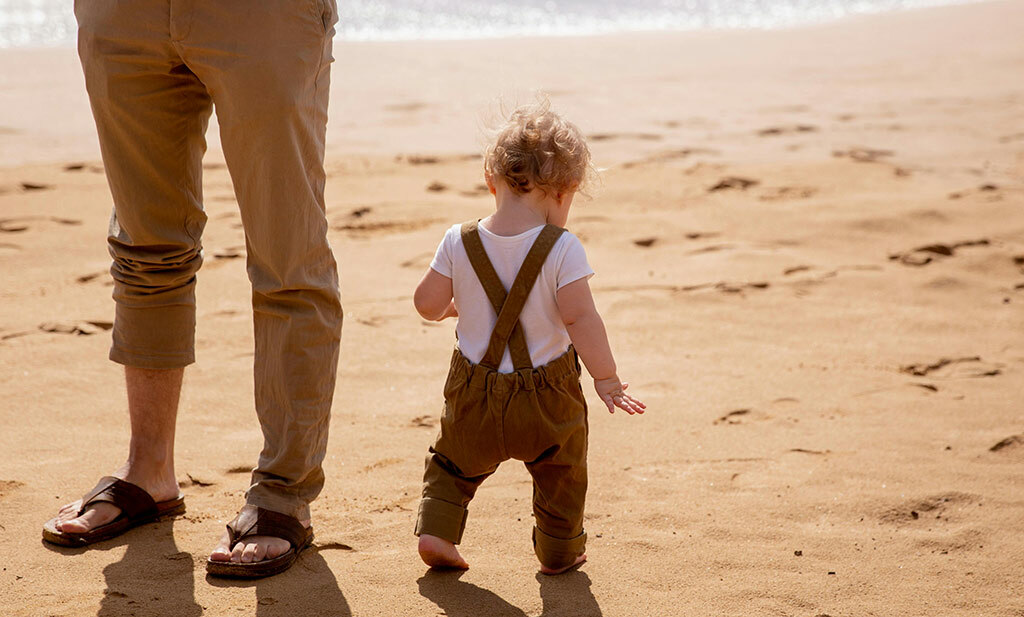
(809, 246)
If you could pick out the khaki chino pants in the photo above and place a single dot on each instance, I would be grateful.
(154, 69)
(538, 416)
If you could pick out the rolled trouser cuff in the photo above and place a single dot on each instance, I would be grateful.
(266, 498)
(154, 337)
(558, 553)
(442, 519)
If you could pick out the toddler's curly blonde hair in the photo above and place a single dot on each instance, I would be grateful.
(538, 149)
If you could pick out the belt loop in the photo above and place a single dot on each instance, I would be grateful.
(476, 375)
(526, 377)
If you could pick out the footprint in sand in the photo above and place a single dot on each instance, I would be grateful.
(240, 469)
(788, 192)
(195, 481)
(423, 422)
(738, 288)
(733, 183)
(418, 262)
(437, 187)
(733, 417)
(863, 155)
(954, 368)
(988, 190)
(924, 255)
(477, 191)
(940, 506)
(100, 276)
(416, 159)
(9, 486)
(78, 328)
(614, 136)
(24, 223)
(775, 131)
(419, 159)
(231, 252)
(385, 462)
(35, 186)
(1013, 443)
(671, 155)
(645, 242)
(384, 227)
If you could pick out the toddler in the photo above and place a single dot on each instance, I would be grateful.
(518, 284)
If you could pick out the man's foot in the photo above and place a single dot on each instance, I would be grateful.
(440, 553)
(551, 571)
(161, 486)
(252, 549)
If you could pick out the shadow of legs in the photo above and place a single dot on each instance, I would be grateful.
(307, 588)
(154, 578)
(568, 595)
(459, 599)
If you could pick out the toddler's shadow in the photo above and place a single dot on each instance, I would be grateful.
(566, 595)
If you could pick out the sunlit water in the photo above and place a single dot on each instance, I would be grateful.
(25, 23)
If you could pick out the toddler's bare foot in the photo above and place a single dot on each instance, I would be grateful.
(551, 571)
(440, 553)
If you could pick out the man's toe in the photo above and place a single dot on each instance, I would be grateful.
(248, 553)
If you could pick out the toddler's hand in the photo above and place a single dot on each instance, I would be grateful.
(613, 393)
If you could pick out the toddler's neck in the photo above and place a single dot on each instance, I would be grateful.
(516, 214)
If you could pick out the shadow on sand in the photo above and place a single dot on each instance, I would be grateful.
(307, 588)
(155, 579)
(566, 595)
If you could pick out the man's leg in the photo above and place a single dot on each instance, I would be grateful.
(152, 407)
(271, 93)
(151, 114)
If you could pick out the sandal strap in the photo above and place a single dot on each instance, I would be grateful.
(257, 521)
(133, 500)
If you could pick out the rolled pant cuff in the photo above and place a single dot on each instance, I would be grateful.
(161, 337)
(442, 519)
(556, 553)
(151, 361)
(263, 498)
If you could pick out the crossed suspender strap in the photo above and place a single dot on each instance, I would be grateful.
(508, 305)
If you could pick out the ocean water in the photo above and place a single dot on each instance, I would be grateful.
(33, 23)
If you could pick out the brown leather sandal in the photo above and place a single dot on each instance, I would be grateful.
(137, 508)
(256, 521)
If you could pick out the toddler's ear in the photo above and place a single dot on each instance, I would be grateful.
(490, 183)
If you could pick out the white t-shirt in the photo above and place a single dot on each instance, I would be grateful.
(542, 324)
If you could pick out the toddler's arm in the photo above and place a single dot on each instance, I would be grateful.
(433, 297)
(586, 329)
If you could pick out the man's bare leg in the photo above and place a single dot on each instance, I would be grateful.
(153, 409)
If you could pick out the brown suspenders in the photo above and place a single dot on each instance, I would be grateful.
(508, 305)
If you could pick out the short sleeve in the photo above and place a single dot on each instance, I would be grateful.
(443, 258)
(573, 265)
